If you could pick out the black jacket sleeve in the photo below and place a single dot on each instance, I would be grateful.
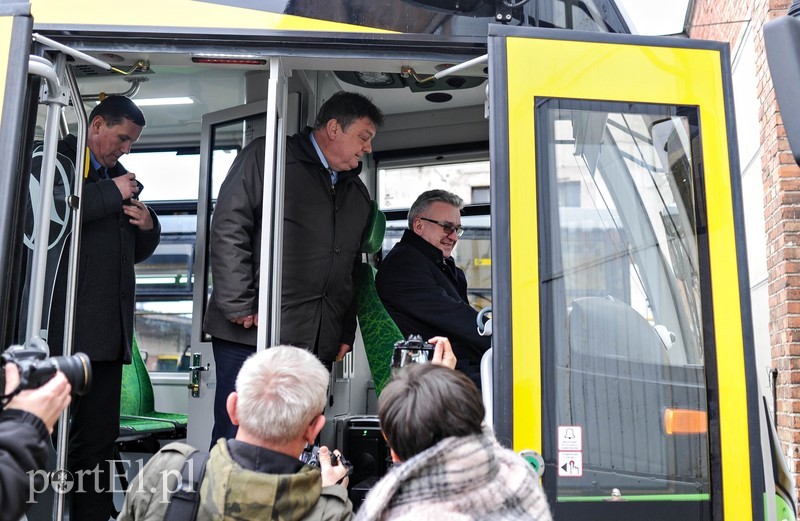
(413, 291)
(23, 451)
(235, 224)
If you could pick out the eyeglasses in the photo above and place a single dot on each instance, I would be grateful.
(447, 227)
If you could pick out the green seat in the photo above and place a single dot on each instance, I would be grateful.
(137, 406)
(378, 330)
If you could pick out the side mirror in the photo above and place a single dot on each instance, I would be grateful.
(782, 41)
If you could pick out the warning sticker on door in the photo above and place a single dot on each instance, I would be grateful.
(570, 437)
(570, 464)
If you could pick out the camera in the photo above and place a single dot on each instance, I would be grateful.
(411, 351)
(35, 368)
(310, 456)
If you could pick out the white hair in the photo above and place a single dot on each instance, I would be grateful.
(280, 391)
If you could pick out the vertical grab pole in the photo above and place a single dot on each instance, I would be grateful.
(77, 190)
(55, 101)
(72, 270)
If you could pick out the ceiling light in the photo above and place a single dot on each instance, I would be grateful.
(228, 60)
(374, 78)
(157, 102)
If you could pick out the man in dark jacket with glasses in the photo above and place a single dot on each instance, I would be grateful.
(422, 288)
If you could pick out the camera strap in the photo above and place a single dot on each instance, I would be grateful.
(185, 501)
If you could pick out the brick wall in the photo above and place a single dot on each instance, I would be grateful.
(727, 21)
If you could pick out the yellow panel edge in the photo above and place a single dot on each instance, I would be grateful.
(6, 25)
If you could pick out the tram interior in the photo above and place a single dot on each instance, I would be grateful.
(435, 136)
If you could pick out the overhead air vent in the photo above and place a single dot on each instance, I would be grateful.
(394, 80)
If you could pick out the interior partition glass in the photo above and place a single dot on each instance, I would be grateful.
(400, 185)
(620, 227)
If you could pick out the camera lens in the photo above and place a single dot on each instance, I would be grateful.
(77, 369)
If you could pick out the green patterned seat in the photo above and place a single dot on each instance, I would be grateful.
(137, 406)
(378, 330)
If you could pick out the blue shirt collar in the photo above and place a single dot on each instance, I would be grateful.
(95, 163)
(319, 152)
(334, 174)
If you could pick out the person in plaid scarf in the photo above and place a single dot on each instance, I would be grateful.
(447, 466)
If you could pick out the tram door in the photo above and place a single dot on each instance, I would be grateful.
(221, 131)
(621, 296)
(224, 130)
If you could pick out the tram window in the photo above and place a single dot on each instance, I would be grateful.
(623, 295)
(173, 175)
(164, 282)
(400, 185)
(480, 194)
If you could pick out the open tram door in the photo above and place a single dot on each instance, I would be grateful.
(223, 130)
(621, 302)
(15, 47)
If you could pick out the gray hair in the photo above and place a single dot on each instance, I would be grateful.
(426, 199)
(281, 390)
(426, 403)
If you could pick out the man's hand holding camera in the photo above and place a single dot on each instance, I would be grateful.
(45, 402)
(333, 467)
(414, 350)
(443, 352)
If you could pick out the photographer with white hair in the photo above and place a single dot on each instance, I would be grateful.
(278, 403)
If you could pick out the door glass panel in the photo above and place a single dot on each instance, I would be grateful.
(622, 300)
(224, 136)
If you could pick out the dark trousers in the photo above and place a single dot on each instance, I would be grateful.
(94, 427)
(228, 359)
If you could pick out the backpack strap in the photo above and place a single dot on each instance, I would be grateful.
(185, 501)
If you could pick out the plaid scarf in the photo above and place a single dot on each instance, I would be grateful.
(465, 478)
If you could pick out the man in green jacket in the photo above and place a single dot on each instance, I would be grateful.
(277, 405)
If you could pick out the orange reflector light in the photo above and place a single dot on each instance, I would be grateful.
(685, 421)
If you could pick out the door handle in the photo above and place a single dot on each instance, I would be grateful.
(195, 370)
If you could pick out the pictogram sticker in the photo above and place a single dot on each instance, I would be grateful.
(570, 464)
(570, 437)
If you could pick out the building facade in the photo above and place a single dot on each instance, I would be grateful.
(771, 195)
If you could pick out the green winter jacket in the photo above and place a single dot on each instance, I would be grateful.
(232, 493)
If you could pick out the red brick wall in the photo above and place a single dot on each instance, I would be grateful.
(727, 21)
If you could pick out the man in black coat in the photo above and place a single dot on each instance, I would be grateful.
(326, 210)
(117, 231)
(422, 288)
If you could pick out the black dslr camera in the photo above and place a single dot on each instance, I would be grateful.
(310, 456)
(411, 351)
(35, 368)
